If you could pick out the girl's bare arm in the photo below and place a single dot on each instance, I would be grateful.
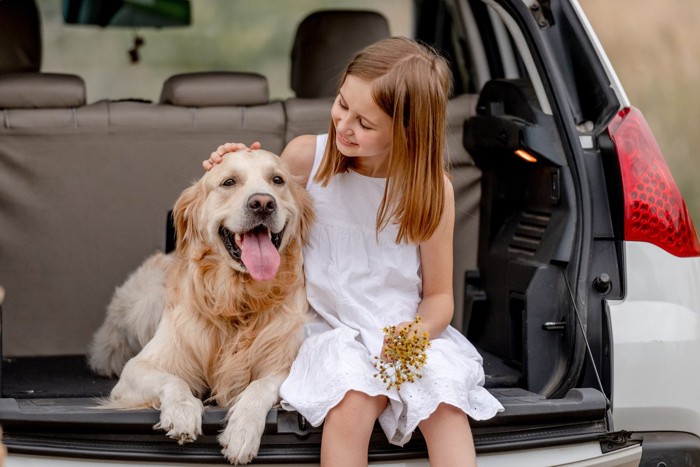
(437, 306)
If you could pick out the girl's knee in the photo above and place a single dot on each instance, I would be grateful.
(449, 410)
(359, 407)
(445, 417)
(348, 428)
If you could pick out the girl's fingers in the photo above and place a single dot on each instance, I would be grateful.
(217, 156)
(224, 148)
(232, 147)
(214, 158)
(383, 356)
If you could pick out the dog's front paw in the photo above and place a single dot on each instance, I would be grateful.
(241, 439)
(182, 421)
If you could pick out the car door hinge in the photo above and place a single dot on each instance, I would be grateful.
(293, 422)
(617, 440)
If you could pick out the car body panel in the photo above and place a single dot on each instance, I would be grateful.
(656, 342)
(576, 455)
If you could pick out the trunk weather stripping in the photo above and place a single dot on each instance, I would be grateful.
(582, 328)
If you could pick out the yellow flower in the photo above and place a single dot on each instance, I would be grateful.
(404, 354)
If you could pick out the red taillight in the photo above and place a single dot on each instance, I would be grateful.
(654, 208)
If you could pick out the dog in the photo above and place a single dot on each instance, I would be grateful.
(223, 314)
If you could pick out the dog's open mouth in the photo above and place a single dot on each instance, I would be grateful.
(256, 250)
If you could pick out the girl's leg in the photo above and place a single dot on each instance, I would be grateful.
(449, 438)
(347, 429)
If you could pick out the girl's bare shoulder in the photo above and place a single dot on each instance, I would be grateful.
(299, 156)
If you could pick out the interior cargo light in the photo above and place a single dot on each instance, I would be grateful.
(654, 210)
(524, 155)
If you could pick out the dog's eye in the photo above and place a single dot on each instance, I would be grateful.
(228, 182)
(277, 180)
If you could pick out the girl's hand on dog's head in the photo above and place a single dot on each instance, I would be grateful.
(217, 156)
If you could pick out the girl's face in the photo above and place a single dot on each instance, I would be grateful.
(362, 129)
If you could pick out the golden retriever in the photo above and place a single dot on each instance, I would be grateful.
(225, 310)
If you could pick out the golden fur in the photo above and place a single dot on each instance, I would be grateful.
(222, 332)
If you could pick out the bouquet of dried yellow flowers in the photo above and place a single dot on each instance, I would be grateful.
(404, 354)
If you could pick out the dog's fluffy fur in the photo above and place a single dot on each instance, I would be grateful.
(221, 323)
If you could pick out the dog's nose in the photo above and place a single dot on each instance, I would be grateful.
(261, 203)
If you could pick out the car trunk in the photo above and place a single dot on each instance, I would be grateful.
(50, 405)
(73, 242)
(84, 196)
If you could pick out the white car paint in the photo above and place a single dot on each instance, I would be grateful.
(656, 343)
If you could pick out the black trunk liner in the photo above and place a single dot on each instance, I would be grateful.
(48, 405)
(52, 377)
(69, 376)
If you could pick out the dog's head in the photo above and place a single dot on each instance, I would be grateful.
(247, 209)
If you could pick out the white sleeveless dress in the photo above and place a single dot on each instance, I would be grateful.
(358, 283)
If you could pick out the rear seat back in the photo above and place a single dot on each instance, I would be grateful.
(85, 191)
(324, 44)
(57, 95)
(466, 181)
(41, 90)
(20, 36)
(307, 116)
(215, 89)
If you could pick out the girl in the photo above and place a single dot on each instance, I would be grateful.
(379, 254)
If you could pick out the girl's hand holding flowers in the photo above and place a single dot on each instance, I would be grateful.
(403, 353)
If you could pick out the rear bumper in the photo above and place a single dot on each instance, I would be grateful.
(669, 448)
(74, 428)
(578, 455)
(656, 340)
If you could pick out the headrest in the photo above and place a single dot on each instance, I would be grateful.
(20, 36)
(41, 90)
(215, 88)
(325, 42)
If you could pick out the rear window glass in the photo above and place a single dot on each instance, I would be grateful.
(230, 35)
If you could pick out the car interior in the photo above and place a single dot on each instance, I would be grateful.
(86, 187)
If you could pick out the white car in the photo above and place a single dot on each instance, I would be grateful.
(577, 266)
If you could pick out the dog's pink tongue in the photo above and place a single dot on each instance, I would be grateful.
(259, 255)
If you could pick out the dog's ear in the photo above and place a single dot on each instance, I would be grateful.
(186, 216)
(306, 210)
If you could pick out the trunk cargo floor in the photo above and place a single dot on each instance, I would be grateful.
(52, 377)
(69, 376)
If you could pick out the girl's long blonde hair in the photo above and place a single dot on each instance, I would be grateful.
(410, 83)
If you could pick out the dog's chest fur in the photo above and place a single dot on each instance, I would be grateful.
(242, 319)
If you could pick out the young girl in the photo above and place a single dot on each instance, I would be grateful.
(379, 254)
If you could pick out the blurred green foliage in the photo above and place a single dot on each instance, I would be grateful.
(232, 35)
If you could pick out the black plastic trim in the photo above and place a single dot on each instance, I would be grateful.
(669, 448)
(79, 428)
